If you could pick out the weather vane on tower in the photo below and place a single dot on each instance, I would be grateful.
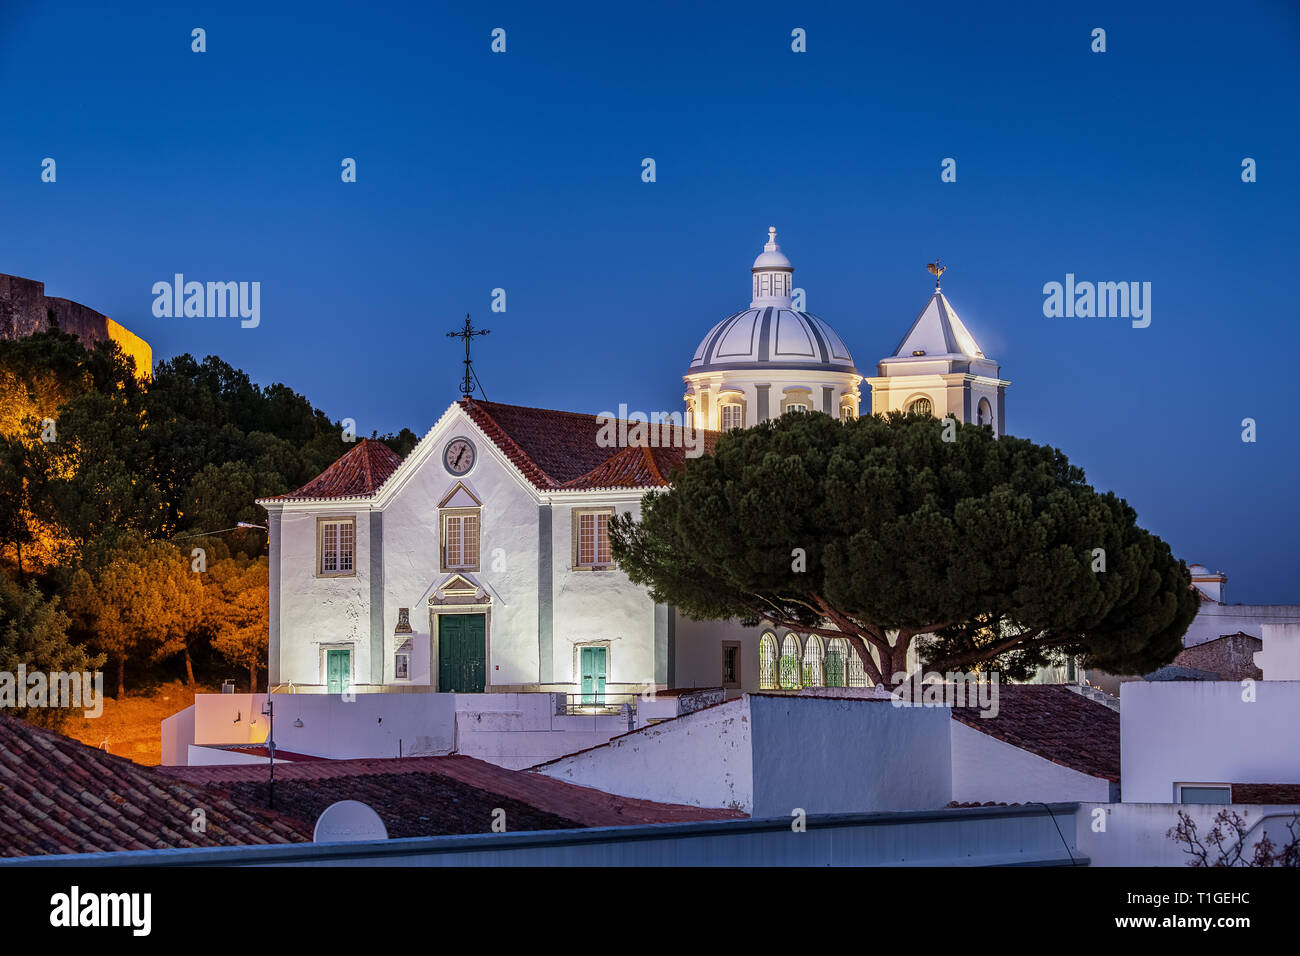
(936, 270)
(467, 333)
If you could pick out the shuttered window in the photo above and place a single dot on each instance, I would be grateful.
(337, 547)
(460, 541)
(593, 540)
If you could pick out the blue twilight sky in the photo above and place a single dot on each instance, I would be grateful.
(523, 171)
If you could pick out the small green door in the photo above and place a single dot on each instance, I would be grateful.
(338, 670)
(462, 653)
(592, 662)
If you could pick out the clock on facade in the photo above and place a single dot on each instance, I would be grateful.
(458, 457)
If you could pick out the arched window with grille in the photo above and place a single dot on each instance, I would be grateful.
(767, 661)
(837, 660)
(921, 406)
(790, 657)
(813, 673)
(857, 674)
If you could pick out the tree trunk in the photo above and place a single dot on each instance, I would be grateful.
(121, 677)
(22, 577)
(189, 667)
(252, 678)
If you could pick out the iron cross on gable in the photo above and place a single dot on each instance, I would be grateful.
(467, 333)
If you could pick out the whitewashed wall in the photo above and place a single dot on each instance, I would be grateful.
(770, 754)
(986, 769)
(1204, 732)
(316, 612)
(594, 606)
(1279, 658)
(1136, 834)
(699, 652)
(371, 725)
(829, 755)
(1215, 620)
(703, 759)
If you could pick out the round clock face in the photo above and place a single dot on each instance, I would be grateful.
(458, 456)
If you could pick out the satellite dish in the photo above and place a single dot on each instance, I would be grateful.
(348, 821)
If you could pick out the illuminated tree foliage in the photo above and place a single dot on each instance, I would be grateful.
(136, 600)
(235, 614)
(879, 531)
(34, 633)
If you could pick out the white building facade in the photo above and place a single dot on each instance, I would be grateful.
(481, 562)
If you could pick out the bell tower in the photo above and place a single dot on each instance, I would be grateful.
(939, 368)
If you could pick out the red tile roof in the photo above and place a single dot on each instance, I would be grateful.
(388, 779)
(358, 474)
(554, 450)
(1055, 723)
(563, 450)
(59, 796)
(1266, 793)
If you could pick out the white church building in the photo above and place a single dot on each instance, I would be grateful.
(481, 561)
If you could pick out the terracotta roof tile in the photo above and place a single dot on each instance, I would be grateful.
(554, 450)
(557, 449)
(1055, 723)
(1266, 793)
(358, 474)
(403, 785)
(59, 796)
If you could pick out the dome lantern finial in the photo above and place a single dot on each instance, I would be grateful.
(772, 275)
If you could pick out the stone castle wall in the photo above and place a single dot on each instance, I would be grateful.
(25, 309)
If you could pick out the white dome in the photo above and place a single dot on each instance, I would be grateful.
(772, 337)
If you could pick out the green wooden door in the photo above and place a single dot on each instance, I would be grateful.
(592, 663)
(338, 670)
(462, 653)
(834, 669)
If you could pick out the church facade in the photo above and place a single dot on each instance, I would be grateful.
(481, 561)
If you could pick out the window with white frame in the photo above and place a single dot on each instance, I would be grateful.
(1204, 792)
(460, 539)
(733, 416)
(402, 666)
(336, 541)
(591, 534)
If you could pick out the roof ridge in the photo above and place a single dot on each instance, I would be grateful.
(501, 433)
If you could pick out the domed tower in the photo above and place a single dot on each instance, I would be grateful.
(769, 359)
(939, 368)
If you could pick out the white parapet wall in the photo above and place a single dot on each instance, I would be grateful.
(1279, 658)
(511, 730)
(1206, 732)
(703, 759)
(770, 755)
(521, 730)
(367, 725)
(1136, 834)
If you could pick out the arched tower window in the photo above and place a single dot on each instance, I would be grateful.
(921, 406)
(985, 412)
